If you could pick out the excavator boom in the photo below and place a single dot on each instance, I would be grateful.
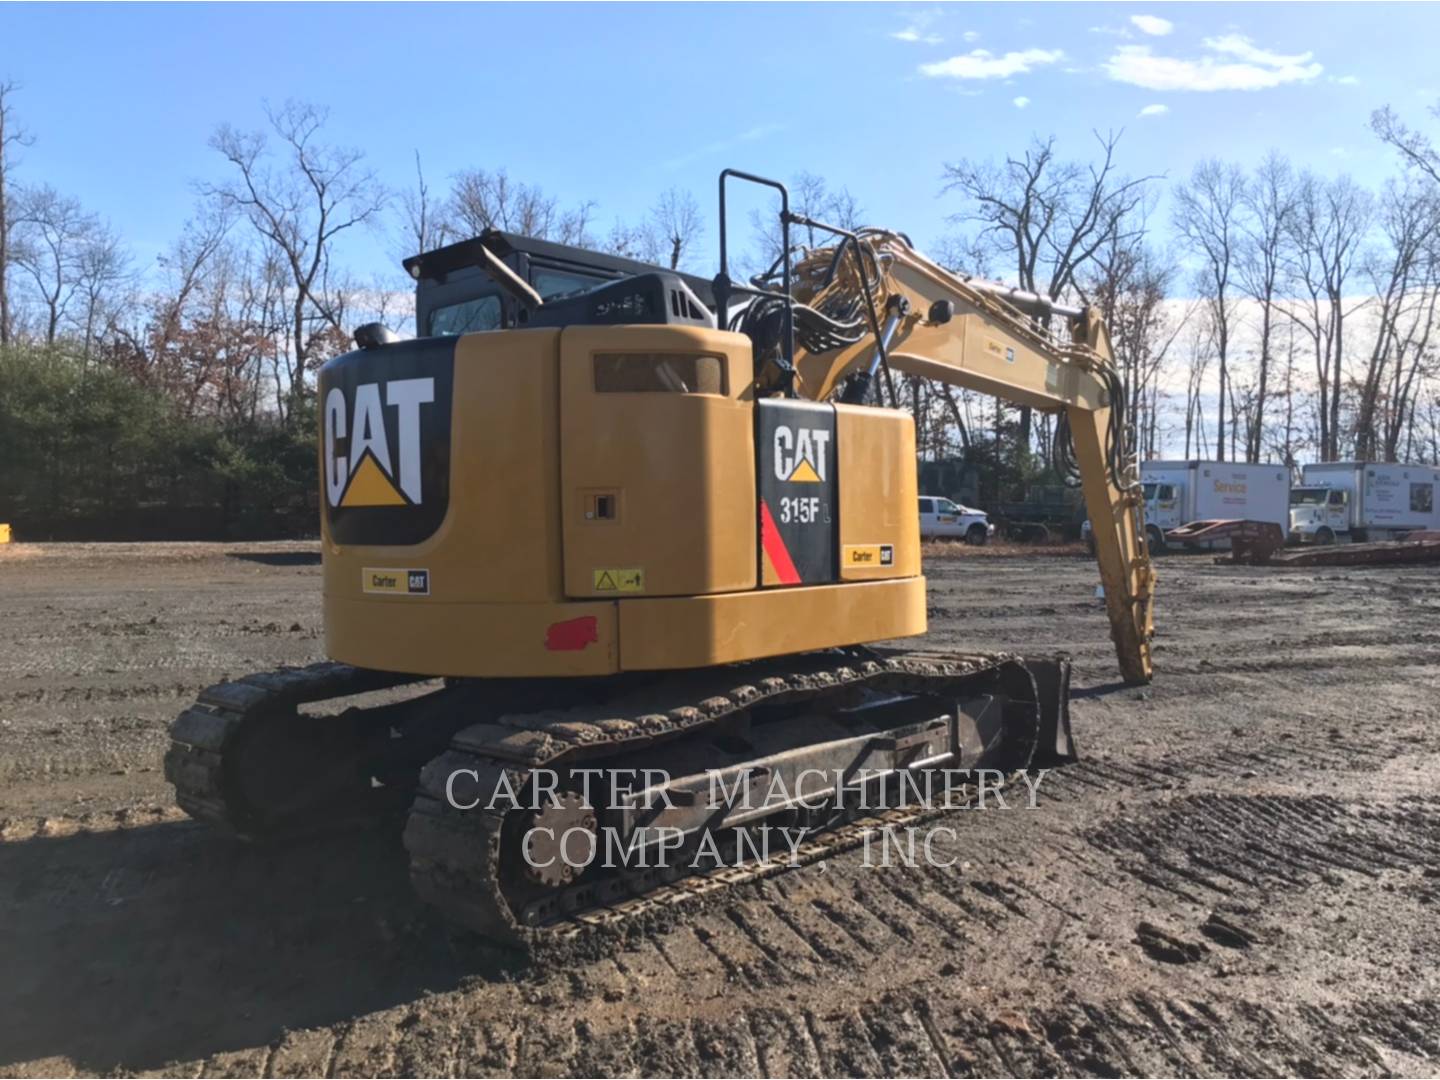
(981, 336)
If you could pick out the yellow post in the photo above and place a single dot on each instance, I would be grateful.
(4, 534)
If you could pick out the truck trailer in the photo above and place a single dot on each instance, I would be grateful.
(1359, 501)
(1179, 492)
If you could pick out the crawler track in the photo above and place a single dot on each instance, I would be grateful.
(244, 759)
(466, 862)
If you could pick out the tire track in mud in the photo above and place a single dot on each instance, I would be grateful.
(913, 1023)
(922, 1032)
(1234, 845)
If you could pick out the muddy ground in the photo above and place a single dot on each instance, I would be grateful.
(1242, 877)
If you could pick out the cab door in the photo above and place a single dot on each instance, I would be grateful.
(1337, 510)
(1167, 506)
(948, 518)
(927, 518)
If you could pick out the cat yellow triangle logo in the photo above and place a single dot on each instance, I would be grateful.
(804, 474)
(369, 486)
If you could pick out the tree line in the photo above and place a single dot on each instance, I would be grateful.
(1268, 313)
(1284, 316)
(178, 399)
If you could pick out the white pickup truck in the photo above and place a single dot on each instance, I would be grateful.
(939, 517)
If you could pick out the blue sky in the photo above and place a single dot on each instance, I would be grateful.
(618, 102)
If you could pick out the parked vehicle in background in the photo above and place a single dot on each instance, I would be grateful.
(1179, 492)
(939, 517)
(1362, 501)
(1048, 511)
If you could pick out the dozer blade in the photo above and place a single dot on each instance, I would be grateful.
(532, 827)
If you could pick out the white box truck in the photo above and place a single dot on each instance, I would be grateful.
(1362, 501)
(1179, 492)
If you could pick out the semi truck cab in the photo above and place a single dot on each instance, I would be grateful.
(1363, 501)
(1319, 514)
(1163, 503)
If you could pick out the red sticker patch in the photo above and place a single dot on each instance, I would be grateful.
(572, 635)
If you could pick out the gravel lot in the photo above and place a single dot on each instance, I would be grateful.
(1242, 876)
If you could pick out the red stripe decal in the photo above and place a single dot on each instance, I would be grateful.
(774, 546)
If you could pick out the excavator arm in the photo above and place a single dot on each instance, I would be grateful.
(984, 337)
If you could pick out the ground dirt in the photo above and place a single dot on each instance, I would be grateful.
(1242, 876)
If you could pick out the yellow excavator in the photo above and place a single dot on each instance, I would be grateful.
(614, 544)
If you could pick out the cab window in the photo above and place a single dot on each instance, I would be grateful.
(1337, 498)
(927, 506)
(948, 507)
(1167, 491)
(549, 283)
(466, 317)
(1149, 491)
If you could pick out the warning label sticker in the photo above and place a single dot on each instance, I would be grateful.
(868, 555)
(625, 581)
(395, 582)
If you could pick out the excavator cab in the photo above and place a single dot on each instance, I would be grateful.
(457, 292)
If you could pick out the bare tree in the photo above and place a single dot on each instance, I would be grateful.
(50, 234)
(481, 200)
(300, 207)
(811, 197)
(185, 266)
(1048, 218)
(1403, 280)
(1331, 221)
(640, 241)
(1202, 348)
(1208, 211)
(425, 226)
(676, 218)
(11, 135)
(1269, 200)
(1130, 285)
(103, 270)
(1414, 147)
(1287, 446)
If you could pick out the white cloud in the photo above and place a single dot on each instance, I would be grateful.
(1152, 25)
(1154, 110)
(1240, 47)
(1339, 152)
(971, 35)
(1239, 65)
(981, 64)
(749, 135)
(1021, 102)
(1348, 80)
(910, 33)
